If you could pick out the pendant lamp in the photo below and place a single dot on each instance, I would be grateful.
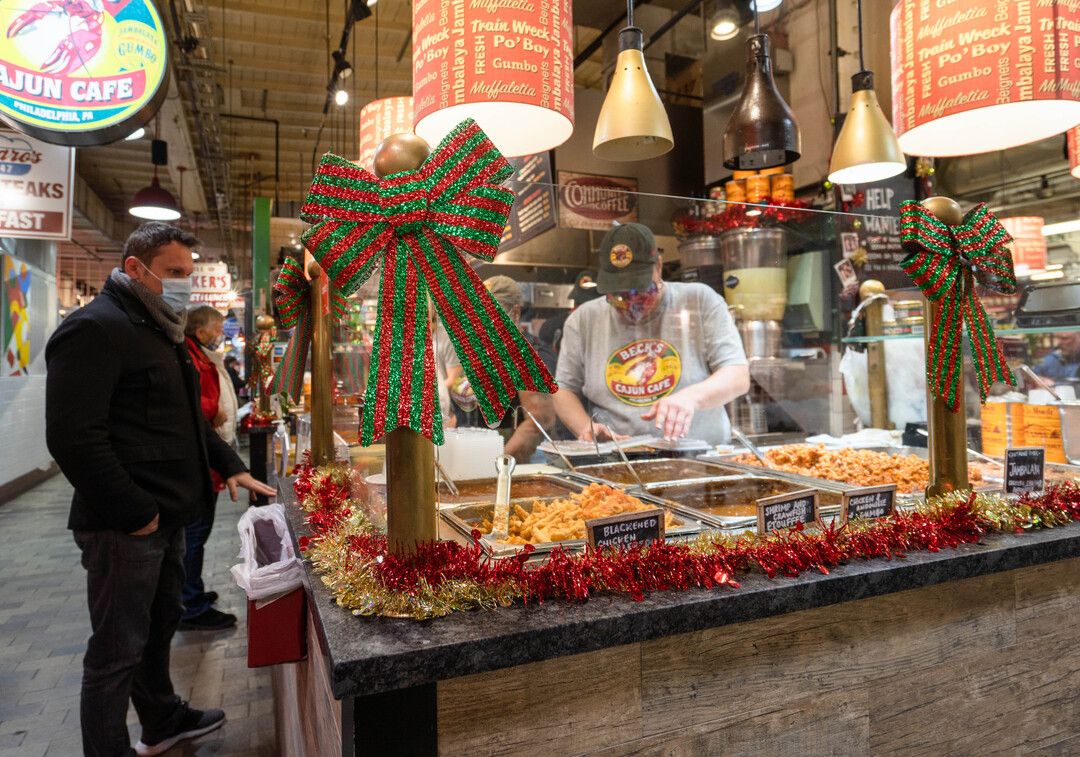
(762, 132)
(155, 203)
(633, 124)
(866, 149)
(971, 76)
(1072, 138)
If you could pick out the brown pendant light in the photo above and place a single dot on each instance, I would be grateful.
(762, 132)
(633, 124)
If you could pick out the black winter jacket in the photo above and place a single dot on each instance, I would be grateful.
(123, 420)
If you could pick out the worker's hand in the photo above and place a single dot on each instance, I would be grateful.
(672, 415)
(250, 483)
(603, 434)
(148, 529)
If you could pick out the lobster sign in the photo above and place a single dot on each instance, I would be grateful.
(81, 72)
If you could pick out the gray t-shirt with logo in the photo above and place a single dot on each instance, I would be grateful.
(623, 368)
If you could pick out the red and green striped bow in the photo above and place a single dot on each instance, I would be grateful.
(292, 295)
(944, 262)
(416, 224)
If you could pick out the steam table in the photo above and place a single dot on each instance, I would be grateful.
(924, 652)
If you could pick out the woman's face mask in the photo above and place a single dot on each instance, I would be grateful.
(635, 304)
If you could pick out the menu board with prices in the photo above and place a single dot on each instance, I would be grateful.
(534, 206)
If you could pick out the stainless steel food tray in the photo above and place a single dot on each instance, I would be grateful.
(558, 480)
(747, 488)
(464, 518)
(615, 473)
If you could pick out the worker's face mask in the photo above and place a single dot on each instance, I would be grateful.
(635, 304)
(175, 292)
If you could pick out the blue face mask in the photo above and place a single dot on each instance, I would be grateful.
(175, 292)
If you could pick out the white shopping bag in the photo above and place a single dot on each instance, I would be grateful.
(905, 363)
(269, 568)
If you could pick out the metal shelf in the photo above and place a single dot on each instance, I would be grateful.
(1001, 333)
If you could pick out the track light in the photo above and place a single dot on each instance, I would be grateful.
(341, 97)
(725, 22)
(342, 67)
(359, 10)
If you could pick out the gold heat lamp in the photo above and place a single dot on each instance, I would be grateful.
(866, 149)
(633, 124)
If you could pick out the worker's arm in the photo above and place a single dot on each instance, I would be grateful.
(527, 436)
(674, 413)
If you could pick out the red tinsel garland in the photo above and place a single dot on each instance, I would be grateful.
(636, 571)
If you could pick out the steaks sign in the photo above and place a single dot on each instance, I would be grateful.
(587, 201)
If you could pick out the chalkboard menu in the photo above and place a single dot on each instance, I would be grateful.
(871, 238)
(643, 526)
(1025, 469)
(869, 502)
(534, 207)
(786, 510)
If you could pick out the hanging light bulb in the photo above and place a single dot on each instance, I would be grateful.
(866, 149)
(633, 124)
(341, 97)
(762, 132)
(724, 24)
(154, 203)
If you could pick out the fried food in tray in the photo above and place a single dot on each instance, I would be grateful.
(861, 467)
(545, 521)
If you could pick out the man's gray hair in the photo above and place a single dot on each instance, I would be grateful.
(146, 241)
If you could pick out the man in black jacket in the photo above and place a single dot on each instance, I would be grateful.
(123, 422)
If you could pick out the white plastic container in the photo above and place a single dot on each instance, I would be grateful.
(470, 453)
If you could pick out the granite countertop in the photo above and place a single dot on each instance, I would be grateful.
(374, 655)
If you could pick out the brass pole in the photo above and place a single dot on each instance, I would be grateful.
(322, 427)
(947, 430)
(410, 458)
(875, 355)
(263, 324)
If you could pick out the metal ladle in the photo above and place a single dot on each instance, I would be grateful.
(744, 440)
(547, 436)
(618, 448)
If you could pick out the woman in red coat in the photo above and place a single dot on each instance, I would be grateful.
(204, 330)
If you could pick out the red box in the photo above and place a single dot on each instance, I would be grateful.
(277, 632)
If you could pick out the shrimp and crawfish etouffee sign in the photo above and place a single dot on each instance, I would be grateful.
(81, 72)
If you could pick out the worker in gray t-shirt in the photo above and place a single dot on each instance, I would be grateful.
(650, 357)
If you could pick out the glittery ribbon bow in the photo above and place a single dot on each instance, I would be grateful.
(292, 295)
(944, 262)
(417, 224)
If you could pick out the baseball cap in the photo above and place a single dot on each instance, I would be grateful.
(627, 257)
(506, 291)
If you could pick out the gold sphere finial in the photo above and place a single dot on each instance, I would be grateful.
(264, 322)
(400, 152)
(869, 288)
(946, 209)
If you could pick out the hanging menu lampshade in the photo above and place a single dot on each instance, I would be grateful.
(1073, 139)
(970, 76)
(511, 70)
(378, 120)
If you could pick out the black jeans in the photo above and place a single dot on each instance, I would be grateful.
(133, 585)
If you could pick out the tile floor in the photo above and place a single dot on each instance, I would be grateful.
(44, 626)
